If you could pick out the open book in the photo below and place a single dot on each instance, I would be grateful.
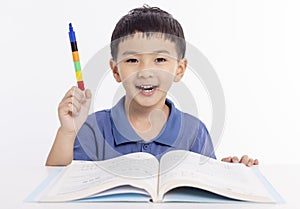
(178, 176)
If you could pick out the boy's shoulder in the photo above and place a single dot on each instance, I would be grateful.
(186, 118)
(191, 120)
(99, 115)
(183, 120)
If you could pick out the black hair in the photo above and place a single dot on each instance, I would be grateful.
(148, 20)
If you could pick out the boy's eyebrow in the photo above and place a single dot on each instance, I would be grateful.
(162, 51)
(129, 53)
(156, 51)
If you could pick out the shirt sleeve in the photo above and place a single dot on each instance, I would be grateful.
(85, 146)
(89, 140)
(79, 153)
(203, 143)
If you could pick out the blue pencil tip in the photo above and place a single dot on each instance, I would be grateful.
(71, 33)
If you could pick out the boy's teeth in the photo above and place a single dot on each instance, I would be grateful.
(146, 88)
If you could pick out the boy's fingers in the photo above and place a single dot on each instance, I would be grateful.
(75, 98)
(70, 108)
(65, 109)
(250, 162)
(78, 94)
(244, 159)
(235, 159)
(76, 104)
(69, 92)
(70, 102)
(227, 159)
(74, 92)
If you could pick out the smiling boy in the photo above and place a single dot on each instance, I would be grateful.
(148, 49)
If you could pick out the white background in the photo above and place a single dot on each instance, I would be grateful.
(253, 46)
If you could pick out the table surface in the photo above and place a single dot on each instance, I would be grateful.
(17, 182)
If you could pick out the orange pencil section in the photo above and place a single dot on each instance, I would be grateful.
(75, 55)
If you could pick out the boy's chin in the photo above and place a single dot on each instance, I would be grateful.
(148, 101)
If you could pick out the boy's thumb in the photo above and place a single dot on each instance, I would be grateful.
(88, 94)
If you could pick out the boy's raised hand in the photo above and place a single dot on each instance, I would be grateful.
(73, 109)
(244, 159)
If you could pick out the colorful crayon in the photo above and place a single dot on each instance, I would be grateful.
(75, 56)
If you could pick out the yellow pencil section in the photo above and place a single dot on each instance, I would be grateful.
(78, 76)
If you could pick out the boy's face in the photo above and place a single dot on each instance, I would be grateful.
(147, 66)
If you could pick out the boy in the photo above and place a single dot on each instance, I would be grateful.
(148, 49)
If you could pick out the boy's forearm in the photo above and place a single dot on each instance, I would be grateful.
(61, 153)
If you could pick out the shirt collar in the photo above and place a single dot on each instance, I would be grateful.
(124, 133)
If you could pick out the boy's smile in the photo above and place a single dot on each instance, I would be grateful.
(146, 90)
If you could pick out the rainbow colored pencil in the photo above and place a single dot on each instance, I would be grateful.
(76, 59)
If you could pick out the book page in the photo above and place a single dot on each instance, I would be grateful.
(183, 168)
(121, 190)
(85, 178)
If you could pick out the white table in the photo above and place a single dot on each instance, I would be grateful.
(18, 181)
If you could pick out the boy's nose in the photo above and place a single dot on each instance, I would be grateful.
(145, 73)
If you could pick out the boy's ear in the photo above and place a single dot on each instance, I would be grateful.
(180, 69)
(115, 70)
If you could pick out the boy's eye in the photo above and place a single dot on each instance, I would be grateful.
(132, 60)
(160, 59)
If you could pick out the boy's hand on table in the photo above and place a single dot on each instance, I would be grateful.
(73, 109)
(244, 159)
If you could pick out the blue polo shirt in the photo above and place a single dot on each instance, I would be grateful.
(107, 134)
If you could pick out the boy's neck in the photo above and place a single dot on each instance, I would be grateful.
(147, 121)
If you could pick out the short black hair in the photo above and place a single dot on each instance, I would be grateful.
(148, 20)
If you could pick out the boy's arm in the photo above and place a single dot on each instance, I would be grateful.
(73, 112)
(61, 152)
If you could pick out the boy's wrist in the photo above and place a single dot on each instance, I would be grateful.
(66, 132)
